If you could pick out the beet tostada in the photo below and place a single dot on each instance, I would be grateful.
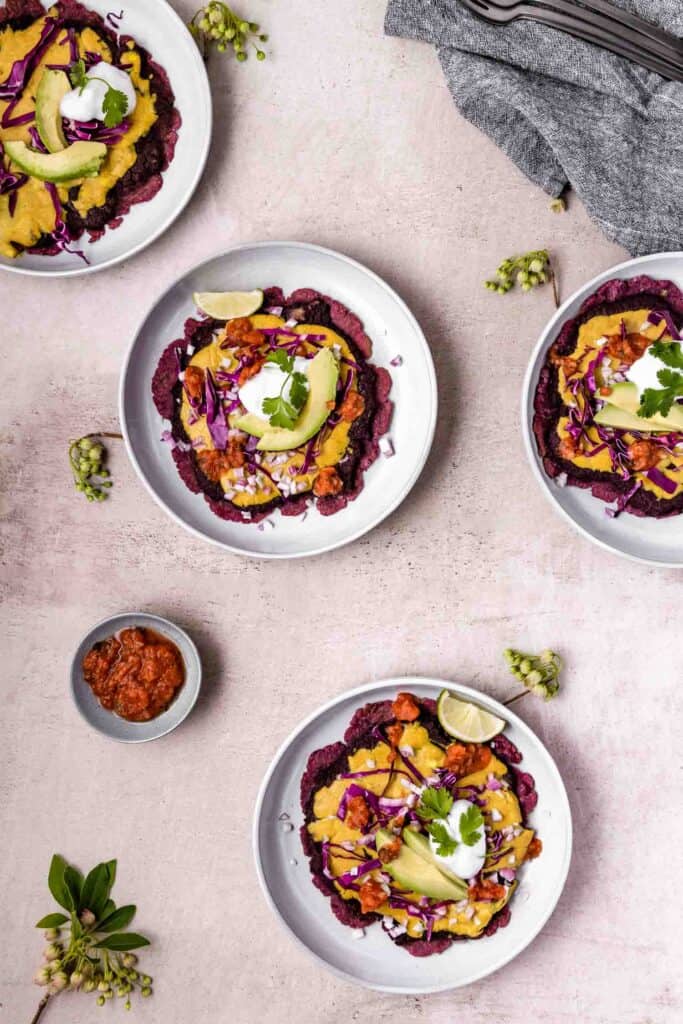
(406, 827)
(608, 412)
(87, 126)
(277, 409)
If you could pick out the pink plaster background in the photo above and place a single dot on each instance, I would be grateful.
(348, 139)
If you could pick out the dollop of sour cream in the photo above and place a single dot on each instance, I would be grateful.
(643, 373)
(465, 861)
(87, 105)
(267, 383)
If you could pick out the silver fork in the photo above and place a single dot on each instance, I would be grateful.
(629, 28)
(571, 18)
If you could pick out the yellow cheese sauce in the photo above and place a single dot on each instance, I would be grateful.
(334, 441)
(590, 339)
(468, 918)
(35, 214)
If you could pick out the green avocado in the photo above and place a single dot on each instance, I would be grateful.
(322, 373)
(622, 412)
(421, 846)
(54, 85)
(412, 871)
(79, 160)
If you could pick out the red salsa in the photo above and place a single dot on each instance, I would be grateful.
(136, 673)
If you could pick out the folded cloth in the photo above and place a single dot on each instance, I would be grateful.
(568, 112)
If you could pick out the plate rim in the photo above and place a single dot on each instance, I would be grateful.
(147, 618)
(431, 428)
(368, 688)
(530, 379)
(82, 269)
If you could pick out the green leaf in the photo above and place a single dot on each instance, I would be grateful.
(470, 821)
(654, 401)
(298, 390)
(56, 883)
(52, 921)
(117, 919)
(669, 352)
(280, 412)
(122, 942)
(281, 359)
(107, 908)
(439, 832)
(114, 107)
(111, 869)
(96, 890)
(73, 880)
(78, 75)
(434, 803)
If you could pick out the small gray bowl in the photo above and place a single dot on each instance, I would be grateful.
(109, 723)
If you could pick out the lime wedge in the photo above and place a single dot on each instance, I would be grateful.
(466, 721)
(228, 305)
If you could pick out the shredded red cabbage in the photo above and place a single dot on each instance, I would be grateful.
(9, 183)
(215, 416)
(95, 131)
(662, 480)
(355, 873)
(353, 790)
(663, 314)
(38, 143)
(22, 69)
(61, 235)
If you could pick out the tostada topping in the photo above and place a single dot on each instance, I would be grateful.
(83, 109)
(292, 390)
(430, 837)
(608, 410)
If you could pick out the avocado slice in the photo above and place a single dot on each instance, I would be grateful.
(413, 872)
(54, 85)
(323, 374)
(623, 419)
(421, 846)
(79, 160)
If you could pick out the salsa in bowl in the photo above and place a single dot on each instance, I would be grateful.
(135, 677)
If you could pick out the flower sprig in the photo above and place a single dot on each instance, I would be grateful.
(87, 949)
(528, 271)
(87, 457)
(217, 25)
(538, 672)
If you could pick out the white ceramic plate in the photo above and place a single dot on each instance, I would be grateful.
(374, 961)
(654, 541)
(156, 26)
(393, 330)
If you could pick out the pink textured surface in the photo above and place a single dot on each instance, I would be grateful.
(360, 149)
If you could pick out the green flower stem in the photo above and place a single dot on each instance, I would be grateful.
(528, 271)
(87, 459)
(517, 696)
(217, 25)
(41, 1006)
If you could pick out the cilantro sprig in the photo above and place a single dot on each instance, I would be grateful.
(115, 102)
(658, 401)
(441, 835)
(283, 409)
(434, 803)
(471, 821)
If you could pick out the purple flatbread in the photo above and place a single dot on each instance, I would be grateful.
(305, 305)
(324, 765)
(154, 152)
(615, 296)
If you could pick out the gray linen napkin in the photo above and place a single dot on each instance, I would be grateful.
(569, 112)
